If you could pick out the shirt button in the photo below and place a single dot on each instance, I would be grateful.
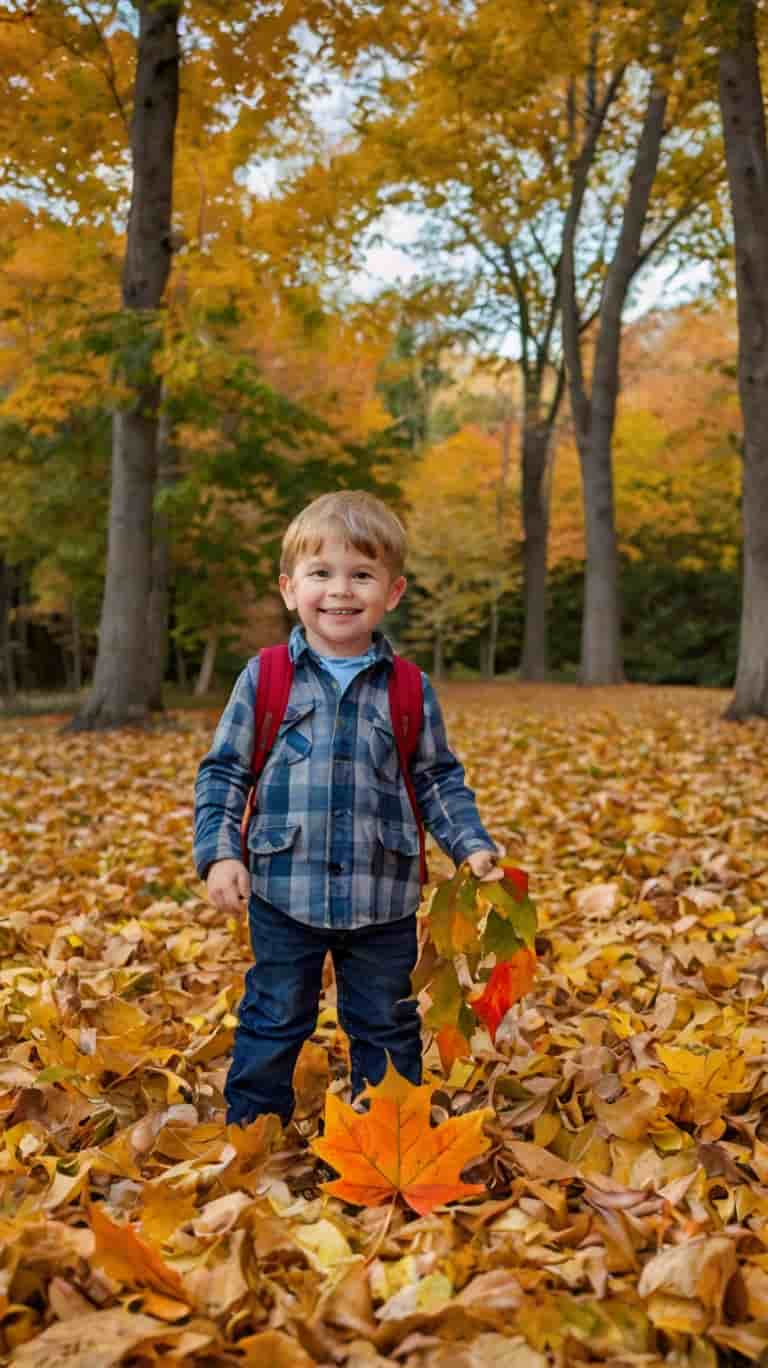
(335, 868)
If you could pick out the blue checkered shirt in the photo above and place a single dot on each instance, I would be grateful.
(333, 841)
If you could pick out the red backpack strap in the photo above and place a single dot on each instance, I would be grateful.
(406, 708)
(272, 692)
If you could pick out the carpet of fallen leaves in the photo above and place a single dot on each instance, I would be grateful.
(626, 1214)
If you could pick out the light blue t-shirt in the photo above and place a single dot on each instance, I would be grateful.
(344, 668)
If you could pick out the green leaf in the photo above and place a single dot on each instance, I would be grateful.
(467, 1022)
(500, 937)
(520, 915)
(58, 1073)
(447, 998)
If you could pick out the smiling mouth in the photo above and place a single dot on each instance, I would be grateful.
(341, 612)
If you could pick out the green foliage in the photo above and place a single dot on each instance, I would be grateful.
(231, 504)
(409, 379)
(55, 514)
(680, 624)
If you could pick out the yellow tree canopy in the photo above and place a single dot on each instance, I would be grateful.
(461, 532)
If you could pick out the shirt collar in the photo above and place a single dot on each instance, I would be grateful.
(298, 646)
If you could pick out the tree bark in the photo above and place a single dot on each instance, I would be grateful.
(207, 666)
(536, 442)
(598, 503)
(741, 105)
(159, 598)
(121, 685)
(601, 656)
(594, 412)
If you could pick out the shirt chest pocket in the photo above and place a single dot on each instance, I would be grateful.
(294, 739)
(383, 752)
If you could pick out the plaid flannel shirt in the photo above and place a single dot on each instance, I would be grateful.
(333, 841)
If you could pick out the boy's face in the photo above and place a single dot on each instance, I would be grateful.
(341, 595)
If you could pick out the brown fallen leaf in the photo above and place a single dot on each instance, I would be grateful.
(698, 1269)
(537, 1162)
(97, 1340)
(274, 1348)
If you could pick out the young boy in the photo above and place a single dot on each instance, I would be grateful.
(333, 844)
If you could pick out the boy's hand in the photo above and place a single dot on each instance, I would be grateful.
(484, 867)
(228, 884)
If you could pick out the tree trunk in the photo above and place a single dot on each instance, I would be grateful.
(501, 489)
(208, 665)
(182, 676)
(159, 599)
(26, 674)
(536, 440)
(120, 693)
(741, 104)
(8, 663)
(595, 413)
(77, 648)
(492, 641)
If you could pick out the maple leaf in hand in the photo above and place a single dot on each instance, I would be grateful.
(510, 981)
(392, 1148)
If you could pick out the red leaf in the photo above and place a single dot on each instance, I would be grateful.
(517, 878)
(510, 981)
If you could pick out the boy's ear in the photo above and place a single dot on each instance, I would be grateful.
(286, 589)
(396, 590)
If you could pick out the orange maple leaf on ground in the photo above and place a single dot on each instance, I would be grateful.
(393, 1148)
(510, 981)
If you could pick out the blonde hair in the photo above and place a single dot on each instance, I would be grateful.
(359, 518)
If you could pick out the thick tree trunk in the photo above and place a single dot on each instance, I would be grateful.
(159, 598)
(121, 685)
(595, 413)
(601, 657)
(536, 441)
(741, 104)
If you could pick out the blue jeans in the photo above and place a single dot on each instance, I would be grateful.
(282, 991)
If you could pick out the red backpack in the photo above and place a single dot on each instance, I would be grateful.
(406, 706)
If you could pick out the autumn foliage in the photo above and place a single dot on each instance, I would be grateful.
(614, 1128)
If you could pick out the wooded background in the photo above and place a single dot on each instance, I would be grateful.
(192, 194)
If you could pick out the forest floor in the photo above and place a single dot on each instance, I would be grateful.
(625, 1217)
